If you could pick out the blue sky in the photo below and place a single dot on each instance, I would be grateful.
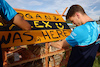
(92, 7)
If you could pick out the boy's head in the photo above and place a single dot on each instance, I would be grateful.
(73, 9)
(75, 13)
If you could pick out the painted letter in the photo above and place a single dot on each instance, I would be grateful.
(47, 24)
(46, 35)
(5, 41)
(29, 36)
(36, 23)
(17, 38)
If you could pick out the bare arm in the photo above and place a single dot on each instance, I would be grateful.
(20, 22)
(60, 44)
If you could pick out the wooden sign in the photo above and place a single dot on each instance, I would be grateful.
(17, 38)
(46, 27)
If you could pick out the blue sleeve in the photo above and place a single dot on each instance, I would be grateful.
(78, 35)
(6, 11)
(99, 29)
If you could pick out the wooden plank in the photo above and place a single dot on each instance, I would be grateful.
(17, 9)
(40, 16)
(57, 11)
(36, 25)
(46, 52)
(17, 38)
(38, 57)
(64, 11)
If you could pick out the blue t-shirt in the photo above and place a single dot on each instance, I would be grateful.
(6, 11)
(84, 35)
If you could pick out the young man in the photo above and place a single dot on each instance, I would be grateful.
(82, 38)
(11, 16)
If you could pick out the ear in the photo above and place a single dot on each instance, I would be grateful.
(77, 14)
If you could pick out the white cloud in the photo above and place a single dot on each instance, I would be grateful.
(23, 3)
(90, 6)
(32, 3)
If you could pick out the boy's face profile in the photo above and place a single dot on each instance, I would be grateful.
(75, 19)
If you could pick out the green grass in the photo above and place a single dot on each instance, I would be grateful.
(97, 62)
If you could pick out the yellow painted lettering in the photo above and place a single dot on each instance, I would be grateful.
(11, 26)
(47, 24)
(1, 24)
(62, 27)
(36, 23)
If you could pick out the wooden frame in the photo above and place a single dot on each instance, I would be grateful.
(46, 55)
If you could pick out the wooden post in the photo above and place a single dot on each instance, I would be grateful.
(46, 52)
(64, 11)
(57, 11)
(67, 55)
